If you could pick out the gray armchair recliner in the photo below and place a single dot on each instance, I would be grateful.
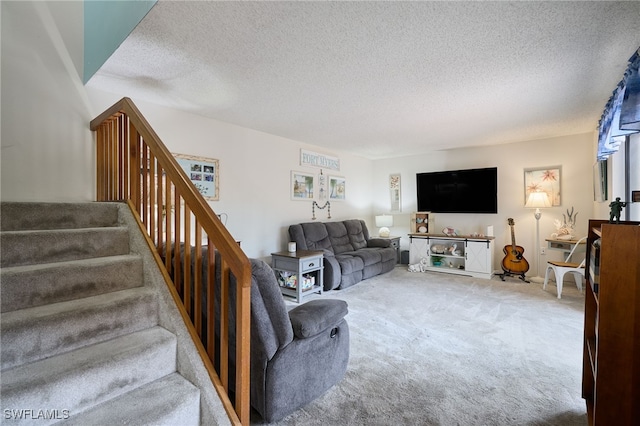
(296, 356)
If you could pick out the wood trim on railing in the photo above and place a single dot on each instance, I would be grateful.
(134, 165)
(229, 249)
(185, 316)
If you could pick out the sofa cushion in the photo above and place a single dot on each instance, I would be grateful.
(368, 256)
(355, 230)
(349, 263)
(378, 242)
(388, 254)
(316, 236)
(339, 237)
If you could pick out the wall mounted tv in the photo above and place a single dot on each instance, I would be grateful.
(458, 191)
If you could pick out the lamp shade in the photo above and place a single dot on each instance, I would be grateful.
(537, 200)
(384, 220)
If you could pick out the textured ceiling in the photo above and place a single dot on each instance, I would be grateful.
(382, 79)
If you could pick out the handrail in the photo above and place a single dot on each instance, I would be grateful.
(134, 165)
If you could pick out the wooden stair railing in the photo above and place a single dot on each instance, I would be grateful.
(134, 165)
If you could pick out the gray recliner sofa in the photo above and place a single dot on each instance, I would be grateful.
(296, 356)
(350, 255)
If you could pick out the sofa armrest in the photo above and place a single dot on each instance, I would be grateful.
(378, 242)
(317, 316)
(332, 273)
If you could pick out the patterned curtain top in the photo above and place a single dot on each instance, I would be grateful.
(621, 115)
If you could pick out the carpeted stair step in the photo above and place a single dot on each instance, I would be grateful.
(32, 334)
(29, 286)
(169, 401)
(46, 246)
(82, 379)
(24, 216)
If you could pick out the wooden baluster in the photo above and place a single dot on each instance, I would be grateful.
(211, 289)
(197, 280)
(126, 148)
(134, 167)
(187, 261)
(153, 204)
(161, 211)
(224, 325)
(144, 188)
(177, 250)
(167, 224)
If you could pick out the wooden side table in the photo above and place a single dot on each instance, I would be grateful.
(299, 273)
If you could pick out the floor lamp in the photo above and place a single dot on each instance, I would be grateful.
(538, 200)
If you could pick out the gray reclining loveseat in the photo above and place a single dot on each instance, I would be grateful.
(350, 255)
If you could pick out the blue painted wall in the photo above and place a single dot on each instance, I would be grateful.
(106, 25)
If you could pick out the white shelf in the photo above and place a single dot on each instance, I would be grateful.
(476, 260)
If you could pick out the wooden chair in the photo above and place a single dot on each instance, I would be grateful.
(562, 268)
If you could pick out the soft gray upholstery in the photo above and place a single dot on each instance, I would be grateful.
(296, 356)
(350, 255)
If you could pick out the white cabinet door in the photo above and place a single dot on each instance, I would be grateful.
(478, 255)
(418, 249)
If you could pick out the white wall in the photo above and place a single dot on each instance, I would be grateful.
(47, 153)
(573, 153)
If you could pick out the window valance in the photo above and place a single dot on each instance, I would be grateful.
(621, 115)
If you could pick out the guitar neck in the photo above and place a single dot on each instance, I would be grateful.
(513, 238)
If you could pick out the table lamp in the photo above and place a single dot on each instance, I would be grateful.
(538, 200)
(383, 222)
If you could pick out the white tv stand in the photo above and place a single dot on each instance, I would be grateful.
(472, 256)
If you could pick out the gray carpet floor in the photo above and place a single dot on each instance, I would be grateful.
(438, 349)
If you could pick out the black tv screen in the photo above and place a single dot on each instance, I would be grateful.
(458, 191)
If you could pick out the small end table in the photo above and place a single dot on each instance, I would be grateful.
(299, 273)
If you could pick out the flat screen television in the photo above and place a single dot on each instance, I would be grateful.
(458, 191)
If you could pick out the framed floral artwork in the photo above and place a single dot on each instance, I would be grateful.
(301, 185)
(394, 192)
(544, 179)
(337, 188)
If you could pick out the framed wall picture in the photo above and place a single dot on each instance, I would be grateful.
(394, 192)
(337, 188)
(545, 179)
(203, 173)
(301, 185)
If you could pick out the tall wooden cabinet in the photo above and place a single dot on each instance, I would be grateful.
(611, 362)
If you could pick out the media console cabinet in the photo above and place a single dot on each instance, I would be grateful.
(462, 255)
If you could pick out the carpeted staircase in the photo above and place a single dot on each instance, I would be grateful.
(81, 335)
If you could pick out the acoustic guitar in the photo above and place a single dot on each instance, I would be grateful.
(514, 261)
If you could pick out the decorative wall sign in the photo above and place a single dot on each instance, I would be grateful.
(337, 186)
(394, 192)
(544, 179)
(203, 173)
(301, 186)
(315, 159)
(322, 186)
